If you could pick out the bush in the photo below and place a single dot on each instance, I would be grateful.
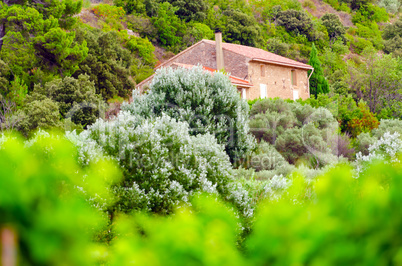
(356, 211)
(388, 125)
(268, 158)
(108, 11)
(299, 132)
(143, 48)
(131, 6)
(42, 114)
(163, 165)
(363, 142)
(209, 103)
(362, 200)
(364, 122)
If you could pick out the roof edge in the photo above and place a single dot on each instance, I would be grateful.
(308, 67)
(182, 52)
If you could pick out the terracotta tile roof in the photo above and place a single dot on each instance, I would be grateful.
(235, 80)
(260, 55)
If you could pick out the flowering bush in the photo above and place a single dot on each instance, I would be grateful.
(387, 149)
(163, 165)
(388, 125)
(209, 103)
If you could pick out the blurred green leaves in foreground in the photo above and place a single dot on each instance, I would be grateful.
(45, 200)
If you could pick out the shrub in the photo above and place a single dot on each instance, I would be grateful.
(267, 158)
(42, 114)
(333, 25)
(209, 103)
(365, 122)
(108, 11)
(309, 4)
(163, 165)
(388, 125)
(344, 147)
(143, 48)
(387, 149)
(363, 142)
(299, 132)
(131, 6)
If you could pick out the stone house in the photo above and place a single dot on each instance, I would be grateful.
(255, 72)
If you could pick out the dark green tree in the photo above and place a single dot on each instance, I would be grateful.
(318, 83)
(297, 22)
(392, 35)
(190, 10)
(107, 64)
(334, 26)
(238, 27)
(57, 51)
(77, 98)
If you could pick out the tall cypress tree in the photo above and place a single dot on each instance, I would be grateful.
(318, 83)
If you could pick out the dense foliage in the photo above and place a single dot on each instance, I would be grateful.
(50, 215)
(209, 103)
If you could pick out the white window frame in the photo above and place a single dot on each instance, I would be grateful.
(295, 95)
(244, 93)
(263, 91)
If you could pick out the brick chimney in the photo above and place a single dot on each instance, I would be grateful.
(219, 53)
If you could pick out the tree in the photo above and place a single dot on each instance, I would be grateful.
(392, 35)
(42, 114)
(379, 82)
(318, 83)
(164, 165)
(77, 98)
(170, 27)
(58, 52)
(107, 64)
(334, 26)
(297, 22)
(32, 35)
(209, 103)
(190, 10)
(240, 28)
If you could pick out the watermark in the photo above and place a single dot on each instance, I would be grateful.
(317, 131)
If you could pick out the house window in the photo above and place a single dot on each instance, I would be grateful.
(263, 91)
(262, 70)
(293, 77)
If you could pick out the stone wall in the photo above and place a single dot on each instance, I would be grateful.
(278, 81)
(276, 77)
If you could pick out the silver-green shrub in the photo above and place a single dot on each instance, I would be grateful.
(388, 125)
(209, 103)
(163, 165)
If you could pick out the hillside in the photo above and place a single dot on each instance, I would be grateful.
(104, 48)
